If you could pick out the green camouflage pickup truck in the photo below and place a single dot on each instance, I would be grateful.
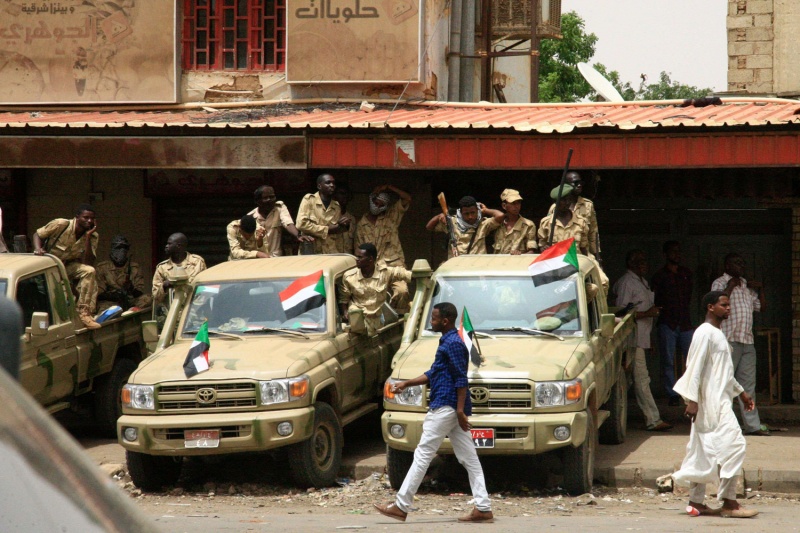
(276, 380)
(552, 380)
(63, 364)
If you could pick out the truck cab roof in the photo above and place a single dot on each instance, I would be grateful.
(279, 267)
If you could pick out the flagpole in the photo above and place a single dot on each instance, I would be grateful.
(478, 346)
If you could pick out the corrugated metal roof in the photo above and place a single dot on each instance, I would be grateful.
(545, 118)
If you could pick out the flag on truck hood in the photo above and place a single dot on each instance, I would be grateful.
(557, 262)
(197, 359)
(303, 294)
(467, 334)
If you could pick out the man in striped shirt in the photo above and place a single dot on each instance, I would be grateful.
(746, 298)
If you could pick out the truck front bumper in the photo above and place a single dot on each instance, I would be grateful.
(514, 434)
(239, 432)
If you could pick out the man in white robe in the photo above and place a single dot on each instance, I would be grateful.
(716, 448)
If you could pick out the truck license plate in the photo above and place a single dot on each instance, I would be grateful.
(201, 438)
(483, 438)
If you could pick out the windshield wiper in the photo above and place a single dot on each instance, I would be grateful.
(214, 332)
(530, 331)
(278, 330)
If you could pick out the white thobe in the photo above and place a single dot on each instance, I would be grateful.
(716, 444)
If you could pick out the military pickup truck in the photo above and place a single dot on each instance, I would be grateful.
(274, 382)
(63, 364)
(552, 380)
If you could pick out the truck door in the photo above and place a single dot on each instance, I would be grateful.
(603, 362)
(48, 361)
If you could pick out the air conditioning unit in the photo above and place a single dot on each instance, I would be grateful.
(512, 19)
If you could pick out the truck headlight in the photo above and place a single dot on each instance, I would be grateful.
(556, 393)
(283, 390)
(409, 396)
(138, 397)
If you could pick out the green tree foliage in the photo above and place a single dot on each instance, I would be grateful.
(560, 80)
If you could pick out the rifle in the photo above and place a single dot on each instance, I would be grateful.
(558, 199)
(451, 233)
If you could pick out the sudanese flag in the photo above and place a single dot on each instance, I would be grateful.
(197, 358)
(303, 294)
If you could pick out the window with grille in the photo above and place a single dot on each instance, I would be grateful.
(234, 35)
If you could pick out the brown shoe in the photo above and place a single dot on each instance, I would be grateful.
(661, 426)
(478, 516)
(391, 510)
(87, 319)
(741, 512)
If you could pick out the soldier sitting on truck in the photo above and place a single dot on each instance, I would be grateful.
(366, 286)
(246, 239)
(119, 280)
(74, 242)
(177, 257)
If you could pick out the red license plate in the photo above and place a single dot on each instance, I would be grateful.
(483, 438)
(201, 438)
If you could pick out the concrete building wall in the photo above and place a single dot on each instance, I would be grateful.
(117, 195)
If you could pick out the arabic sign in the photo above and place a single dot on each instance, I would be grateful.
(353, 41)
(87, 51)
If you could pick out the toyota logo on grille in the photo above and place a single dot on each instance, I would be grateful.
(206, 396)
(479, 394)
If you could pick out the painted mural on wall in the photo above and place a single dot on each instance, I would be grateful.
(87, 51)
(352, 41)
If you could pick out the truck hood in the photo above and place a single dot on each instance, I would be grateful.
(533, 358)
(257, 358)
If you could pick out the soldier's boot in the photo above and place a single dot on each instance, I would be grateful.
(87, 318)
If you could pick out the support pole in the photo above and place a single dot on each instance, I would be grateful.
(467, 74)
(453, 58)
(534, 51)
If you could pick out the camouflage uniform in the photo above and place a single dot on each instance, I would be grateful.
(193, 264)
(70, 252)
(313, 219)
(241, 248)
(110, 277)
(349, 237)
(584, 208)
(486, 226)
(278, 218)
(369, 294)
(576, 228)
(522, 237)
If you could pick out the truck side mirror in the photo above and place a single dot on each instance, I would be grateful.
(607, 324)
(39, 323)
(357, 324)
(150, 331)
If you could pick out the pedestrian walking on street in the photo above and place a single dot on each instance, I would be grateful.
(449, 408)
(716, 448)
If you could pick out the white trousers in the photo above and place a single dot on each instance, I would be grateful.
(438, 424)
(727, 490)
(641, 385)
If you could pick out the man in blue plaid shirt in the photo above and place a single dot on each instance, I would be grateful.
(448, 410)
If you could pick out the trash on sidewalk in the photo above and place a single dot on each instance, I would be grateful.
(665, 483)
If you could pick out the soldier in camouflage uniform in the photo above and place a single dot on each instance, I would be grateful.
(583, 208)
(74, 242)
(517, 234)
(379, 226)
(271, 215)
(178, 257)
(343, 195)
(366, 286)
(246, 239)
(119, 280)
(472, 224)
(320, 216)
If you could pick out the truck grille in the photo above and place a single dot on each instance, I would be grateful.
(225, 432)
(206, 397)
(507, 396)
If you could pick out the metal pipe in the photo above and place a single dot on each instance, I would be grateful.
(467, 73)
(487, 63)
(534, 52)
(453, 57)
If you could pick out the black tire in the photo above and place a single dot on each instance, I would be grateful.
(152, 472)
(398, 463)
(615, 428)
(579, 462)
(315, 462)
(107, 402)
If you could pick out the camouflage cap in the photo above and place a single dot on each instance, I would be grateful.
(510, 195)
(566, 192)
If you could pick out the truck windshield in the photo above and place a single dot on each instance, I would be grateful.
(495, 302)
(249, 306)
(3, 286)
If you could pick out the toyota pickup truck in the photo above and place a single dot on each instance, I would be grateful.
(276, 380)
(64, 364)
(552, 378)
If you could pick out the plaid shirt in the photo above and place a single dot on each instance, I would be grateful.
(449, 372)
(744, 301)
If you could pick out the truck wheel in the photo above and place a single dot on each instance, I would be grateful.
(151, 472)
(398, 464)
(108, 406)
(579, 462)
(615, 428)
(315, 462)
